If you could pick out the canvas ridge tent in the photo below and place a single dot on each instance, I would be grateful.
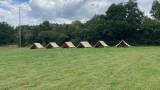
(84, 44)
(122, 43)
(52, 45)
(68, 45)
(36, 46)
(101, 44)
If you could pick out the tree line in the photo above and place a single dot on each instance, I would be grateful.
(121, 21)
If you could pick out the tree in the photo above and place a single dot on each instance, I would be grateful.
(134, 15)
(116, 12)
(123, 20)
(45, 26)
(149, 34)
(156, 9)
(6, 34)
(51, 36)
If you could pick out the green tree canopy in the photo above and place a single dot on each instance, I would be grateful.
(156, 9)
(116, 12)
(134, 15)
(6, 33)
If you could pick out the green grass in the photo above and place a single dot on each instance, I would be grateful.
(80, 69)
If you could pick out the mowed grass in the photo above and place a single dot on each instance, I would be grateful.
(136, 68)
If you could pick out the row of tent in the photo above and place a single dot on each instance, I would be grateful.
(83, 44)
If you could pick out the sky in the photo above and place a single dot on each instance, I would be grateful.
(34, 12)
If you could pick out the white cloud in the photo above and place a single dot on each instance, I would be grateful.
(145, 6)
(59, 11)
(9, 12)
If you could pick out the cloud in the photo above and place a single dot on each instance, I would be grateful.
(58, 11)
(145, 6)
(53, 9)
(9, 12)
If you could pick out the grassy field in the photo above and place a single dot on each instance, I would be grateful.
(80, 69)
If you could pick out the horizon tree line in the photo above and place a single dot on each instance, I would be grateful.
(121, 21)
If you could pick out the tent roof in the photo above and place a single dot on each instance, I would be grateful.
(124, 43)
(102, 43)
(37, 45)
(84, 44)
(54, 44)
(70, 44)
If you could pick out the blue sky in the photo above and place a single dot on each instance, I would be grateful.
(58, 11)
(20, 1)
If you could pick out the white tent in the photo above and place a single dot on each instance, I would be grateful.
(122, 43)
(37, 46)
(84, 44)
(52, 45)
(101, 44)
(68, 45)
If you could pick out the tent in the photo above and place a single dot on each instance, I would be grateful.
(52, 45)
(68, 45)
(122, 43)
(84, 44)
(36, 46)
(101, 44)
